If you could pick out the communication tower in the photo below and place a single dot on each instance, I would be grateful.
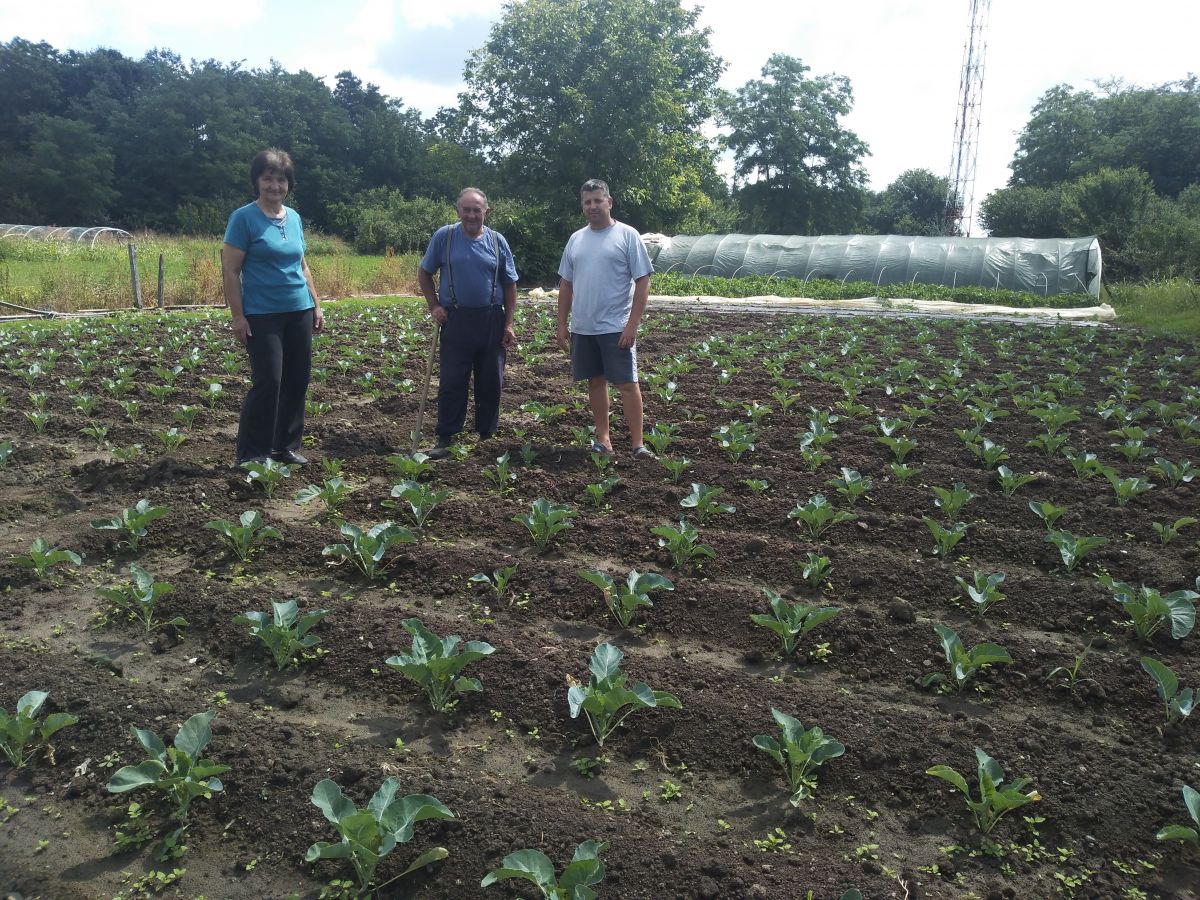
(960, 192)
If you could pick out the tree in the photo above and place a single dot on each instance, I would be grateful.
(912, 204)
(1054, 146)
(62, 174)
(566, 90)
(1023, 211)
(1075, 133)
(802, 170)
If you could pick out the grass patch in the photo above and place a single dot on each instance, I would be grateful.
(66, 277)
(1166, 306)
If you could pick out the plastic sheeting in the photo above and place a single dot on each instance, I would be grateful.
(1041, 266)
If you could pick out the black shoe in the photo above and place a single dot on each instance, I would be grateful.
(289, 457)
(250, 459)
(441, 451)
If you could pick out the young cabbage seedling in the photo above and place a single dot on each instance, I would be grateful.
(994, 799)
(1149, 610)
(139, 598)
(366, 549)
(951, 501)
(545, 520)
(1010, 481)
(41, 558)
(248, 534)
(332, 492)
(852, 485)
(675, 467)
(605, 699)
(598, 491)
(984, 592)
(1167, 531)
(497, 581)
(964, 664)
(945, 539)
(410, 468)
(623, 601)
(23, 729)
(133, 521)
(816, 569)
(1127, 489)
(284, 630)
(417, 502)
(1191, 800)
(818, 515)
(269, 474)
(792, 621)
(584, 870)
(501, 475)
(435, 663)
(1173, 473)
(681, 543)
(1047, 512)
(1074, 549)
(179, 772)
(705, 501)
(799, 752)
(1069, 675)
(1177, 702)
(371, 834)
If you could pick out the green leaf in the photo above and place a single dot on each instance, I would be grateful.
(327, 796)
(948, 774)
(532, 865)
(129, 778)
(195, 734)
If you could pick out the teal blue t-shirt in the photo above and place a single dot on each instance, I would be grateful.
(272, 274)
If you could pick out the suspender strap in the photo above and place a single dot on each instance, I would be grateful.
(449, 269)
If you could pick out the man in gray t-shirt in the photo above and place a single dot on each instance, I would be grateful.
(604, 286)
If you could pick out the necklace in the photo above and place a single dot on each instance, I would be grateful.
(280, 222)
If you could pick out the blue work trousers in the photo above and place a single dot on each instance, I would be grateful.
(472, 345)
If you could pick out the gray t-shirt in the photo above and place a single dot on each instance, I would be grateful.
(602, 267)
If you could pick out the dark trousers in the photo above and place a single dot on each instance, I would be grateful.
(471, 345)
(280, 351)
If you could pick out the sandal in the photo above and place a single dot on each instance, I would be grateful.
(643, 453)
(598, 447)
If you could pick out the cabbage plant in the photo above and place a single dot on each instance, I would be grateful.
(370, 834)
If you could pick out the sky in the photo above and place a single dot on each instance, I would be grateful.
(903, 57)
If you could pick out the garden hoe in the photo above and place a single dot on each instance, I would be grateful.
(416, 435)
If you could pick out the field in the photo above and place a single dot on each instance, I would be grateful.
(880, 417)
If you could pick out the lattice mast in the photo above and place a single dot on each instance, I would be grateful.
(960, 191)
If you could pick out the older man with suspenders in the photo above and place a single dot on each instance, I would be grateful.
(473, 303)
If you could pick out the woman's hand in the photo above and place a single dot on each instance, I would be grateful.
(241, 329)
(318, 320)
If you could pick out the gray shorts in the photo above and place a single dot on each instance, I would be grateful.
(593, 355)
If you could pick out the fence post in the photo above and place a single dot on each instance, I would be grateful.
(160, 281)
(133, 274)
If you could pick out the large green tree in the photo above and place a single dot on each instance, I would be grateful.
(799, 169)
(1073, 133)
(912, 204)
(565, 90)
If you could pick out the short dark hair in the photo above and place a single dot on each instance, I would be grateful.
(594, 184)
(272, 160)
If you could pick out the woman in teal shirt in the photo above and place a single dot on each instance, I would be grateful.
(275, 309)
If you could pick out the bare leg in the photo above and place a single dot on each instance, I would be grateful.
(598, 397)
(631, 404)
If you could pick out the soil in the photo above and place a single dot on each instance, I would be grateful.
(688, 806)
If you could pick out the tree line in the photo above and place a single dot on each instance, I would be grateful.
(564, 90)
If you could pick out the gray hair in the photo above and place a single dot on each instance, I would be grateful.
(594, 184)
(472, 190)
